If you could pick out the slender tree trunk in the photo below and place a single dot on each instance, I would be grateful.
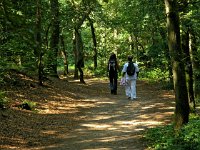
(78, 44)
(131, 41)
(80, 55)
(195, 64)
(167, 55)
(94, 42)
(38, 50)
(189, 69)
(75, 59)
(52, 60)
(46, 36)
(64, 53)
(135, 50)
(181, 96)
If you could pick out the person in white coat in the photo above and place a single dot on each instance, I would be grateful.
(130, 87)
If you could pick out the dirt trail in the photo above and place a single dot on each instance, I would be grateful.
(104, 121)
(116, 123)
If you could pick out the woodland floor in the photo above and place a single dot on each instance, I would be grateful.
(74, 116)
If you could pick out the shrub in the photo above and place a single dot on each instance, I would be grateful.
(28, 105)
(3, 100)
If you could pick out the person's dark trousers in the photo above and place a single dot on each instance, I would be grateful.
(113, 82)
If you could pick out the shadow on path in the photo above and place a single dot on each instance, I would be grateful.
(116, 123)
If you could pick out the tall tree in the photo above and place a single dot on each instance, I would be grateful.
(94, 42)
(174, 44)
(52, 60)
(38, 50)
(189, 68)
(64, 54)
(79, 53)
(195, 62)
(84, 11)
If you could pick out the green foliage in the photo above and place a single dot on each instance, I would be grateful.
(155, 74)
(100, 71)
(29, 105)
(164, 138)
(124, 27)
(167, 85)
(197, 82)
(3, 100)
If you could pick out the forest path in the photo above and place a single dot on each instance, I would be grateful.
(74, 116)
(115, 122)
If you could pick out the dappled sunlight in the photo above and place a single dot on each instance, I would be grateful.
(99, 149)
(102, 117)
(49, 132)
(147, 107)
(168, 95)
(71, 115)
(135, 122)
(160, 106)
(97, 126)
(57, 107)
(93, 81)
(114, 138)
(106, 102)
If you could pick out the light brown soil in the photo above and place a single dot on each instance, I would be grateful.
(74, 116)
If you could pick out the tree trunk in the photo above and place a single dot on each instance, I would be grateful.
(167, 55)
(52, 60)
(78, 44)
(195, 64)
(64, 53)
(94, 42)
(189, 69)
(80, 55)
(174, 44)
(75, 59)
(38, 50)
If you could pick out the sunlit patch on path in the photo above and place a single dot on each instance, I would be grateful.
(74, 116)
(118, 123)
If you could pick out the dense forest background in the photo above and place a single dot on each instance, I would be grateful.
(76, 37)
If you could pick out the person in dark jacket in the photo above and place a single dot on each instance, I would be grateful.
(113, 68)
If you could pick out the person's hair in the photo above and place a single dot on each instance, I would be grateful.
(130, 58)
(113, 56)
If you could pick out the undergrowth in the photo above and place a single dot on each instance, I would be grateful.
(164, 138)
(3, 100)
(28, 105)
